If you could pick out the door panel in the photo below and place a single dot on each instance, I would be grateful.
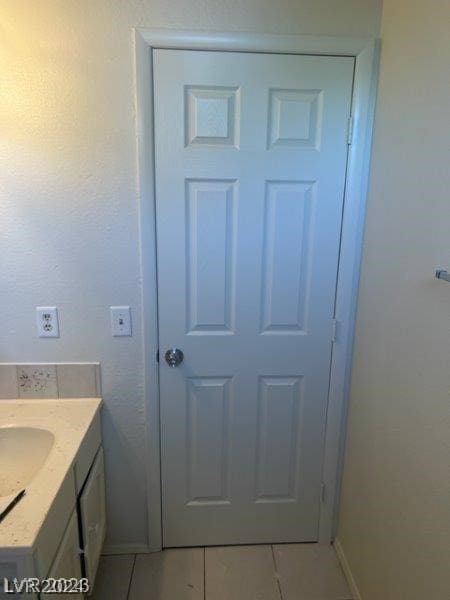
(279, 414)
(286, 266)
(208, 440)
(210, 231)
(250, 156)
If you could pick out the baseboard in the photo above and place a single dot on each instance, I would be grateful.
(125, 549)
(347, 571)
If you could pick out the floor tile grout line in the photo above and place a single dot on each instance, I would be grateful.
(131, 577)
(204, 573)
(277, 575)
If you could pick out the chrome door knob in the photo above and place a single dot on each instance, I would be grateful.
(174, 357)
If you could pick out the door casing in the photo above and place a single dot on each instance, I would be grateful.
(366, 53)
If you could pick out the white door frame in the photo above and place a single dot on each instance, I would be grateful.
(366, 53)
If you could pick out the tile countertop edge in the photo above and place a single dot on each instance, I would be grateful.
(29, 548)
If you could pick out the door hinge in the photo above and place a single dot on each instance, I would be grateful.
(322, 493)
(351, 124)
(157, 356)
(334, 331)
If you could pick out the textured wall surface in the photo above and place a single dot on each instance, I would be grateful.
(394, 522)
(69, 229)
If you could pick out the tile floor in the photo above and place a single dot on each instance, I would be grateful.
(278, 572)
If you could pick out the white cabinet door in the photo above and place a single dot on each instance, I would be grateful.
(93, 516)
(67, 563)
(251, 154)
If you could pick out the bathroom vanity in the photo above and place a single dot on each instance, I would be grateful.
(52, 449)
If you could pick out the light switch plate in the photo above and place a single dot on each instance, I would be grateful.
(120, 321)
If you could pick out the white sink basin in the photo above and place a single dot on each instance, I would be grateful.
(23, 451)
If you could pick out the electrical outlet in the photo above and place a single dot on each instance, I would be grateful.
(47, 321)
(120, 321)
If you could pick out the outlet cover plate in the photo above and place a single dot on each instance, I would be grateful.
(47, 321)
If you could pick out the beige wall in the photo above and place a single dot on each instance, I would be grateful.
(69, 221)
(395, 511)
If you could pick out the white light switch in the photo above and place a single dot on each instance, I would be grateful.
(47, 321)
(120, 320)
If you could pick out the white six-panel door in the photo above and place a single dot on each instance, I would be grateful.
(250, 168)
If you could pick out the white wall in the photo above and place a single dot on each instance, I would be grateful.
(69, 203)
(395, 512)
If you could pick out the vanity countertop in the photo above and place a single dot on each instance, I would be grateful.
(69, 421)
